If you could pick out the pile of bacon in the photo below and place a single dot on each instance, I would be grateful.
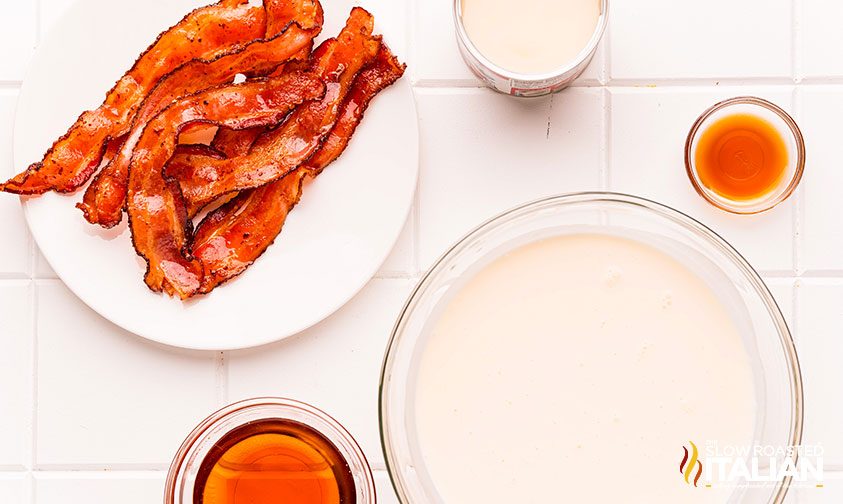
(292, 116)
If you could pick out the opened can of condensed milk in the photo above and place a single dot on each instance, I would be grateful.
(530, 47)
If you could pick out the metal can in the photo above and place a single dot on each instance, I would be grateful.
(527, 85)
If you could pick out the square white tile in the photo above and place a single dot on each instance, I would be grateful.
(17, 38)
(334, 366)
(106, 397)
(509, 152)
(820, 31)
(820, 345)
(136, 487)
(16, 331)
(15, 252)
(822, 233)
(14, 488)
(657, 39)
(648, 131)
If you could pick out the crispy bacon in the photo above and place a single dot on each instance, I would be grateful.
(235, 143)
(382, 73)
(157, 215)
(280, 151)
(105, 198)
(233, 236)
(205, 33)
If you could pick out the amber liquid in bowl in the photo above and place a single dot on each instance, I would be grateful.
(741, 157)
(274, 461)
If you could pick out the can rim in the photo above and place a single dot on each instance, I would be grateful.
(584, 55)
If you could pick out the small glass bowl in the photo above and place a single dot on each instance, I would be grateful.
(781, 121)
(185, 466)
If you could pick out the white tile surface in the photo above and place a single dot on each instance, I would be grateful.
(657, 39)
(14, 488)
(17, 38)
(820, 346)
(822, 231)
(530, 148)
(14, 260)
(648, 132)
(99, 488)
(16, 327)
(106, 397)
(819, 31)
(335, 366)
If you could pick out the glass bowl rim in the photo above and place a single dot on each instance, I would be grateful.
(684, 220)
(226, 412)
(764, 205)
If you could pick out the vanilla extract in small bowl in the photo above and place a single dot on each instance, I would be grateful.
(269, 451)
(745, 155)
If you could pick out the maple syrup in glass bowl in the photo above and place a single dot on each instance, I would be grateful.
(269, 450)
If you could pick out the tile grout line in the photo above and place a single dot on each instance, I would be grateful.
(415, 250)
(798, 201)
(33, 265)
(606, 60)
(796, 40)
(458, 86)
(410, 30)
(33, 431)
(415, 212)
(606, 141)
(221, 378)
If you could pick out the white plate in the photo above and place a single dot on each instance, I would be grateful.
(332, 244)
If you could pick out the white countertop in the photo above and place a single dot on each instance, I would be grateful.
(90, 413)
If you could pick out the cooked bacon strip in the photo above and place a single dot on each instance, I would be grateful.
(278, 152)
(204, 33)
(382, 73)
(112, 149)
(105, 198)
(235, 143)
(157, 215)
(232, 237)
(188, 155)
(280, 13)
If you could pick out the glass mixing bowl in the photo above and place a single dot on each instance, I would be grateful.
(766, 337)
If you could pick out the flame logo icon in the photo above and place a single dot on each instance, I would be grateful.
(689, 462)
